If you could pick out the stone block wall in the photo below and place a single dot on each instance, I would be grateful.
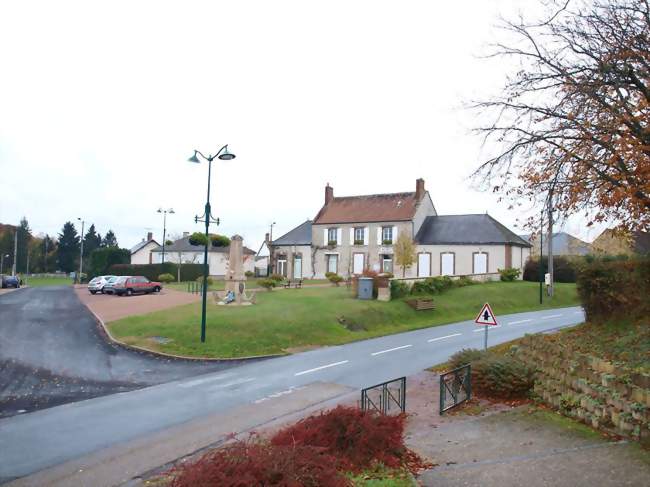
(606, 395)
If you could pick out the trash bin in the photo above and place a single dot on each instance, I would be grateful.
(365, 288)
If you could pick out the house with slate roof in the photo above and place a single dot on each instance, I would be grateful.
(141, 252)
(353, 233)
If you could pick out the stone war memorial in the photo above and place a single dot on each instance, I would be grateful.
(235, 288)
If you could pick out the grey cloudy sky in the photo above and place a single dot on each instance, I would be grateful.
(101, 104)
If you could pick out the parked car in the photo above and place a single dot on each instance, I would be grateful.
(96, 284)
(10, 281)
(135, 285)
(109, 287)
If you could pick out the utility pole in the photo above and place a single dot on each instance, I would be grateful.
(81, 251)
(13, 268)
(550, 242)
(45, 256)
(541, 251)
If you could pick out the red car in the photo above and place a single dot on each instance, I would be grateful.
(136, 284)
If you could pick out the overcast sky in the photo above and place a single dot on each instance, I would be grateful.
(101, 104)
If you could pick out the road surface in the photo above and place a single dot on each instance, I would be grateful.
(35, 441)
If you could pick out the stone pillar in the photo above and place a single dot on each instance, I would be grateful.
(235, 275)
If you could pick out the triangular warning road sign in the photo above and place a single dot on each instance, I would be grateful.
(486, 316)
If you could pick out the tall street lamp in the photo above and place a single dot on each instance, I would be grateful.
(207, 218)
(164, 212)
(81, 250)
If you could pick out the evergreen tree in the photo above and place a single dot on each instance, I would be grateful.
(92, 240)
(24, 237)
(49, 253)
(109, 239)
(68, 248)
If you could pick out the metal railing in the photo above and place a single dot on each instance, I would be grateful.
(380, 397)
(195, 287)
(455, 387)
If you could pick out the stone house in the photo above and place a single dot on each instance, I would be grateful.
(564, 244)
(353, 233)
(611, 242)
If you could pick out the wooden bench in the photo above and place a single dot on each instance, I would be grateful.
(296, 284)
(421, 304)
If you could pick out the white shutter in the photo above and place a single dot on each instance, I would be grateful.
(394, 234)
(338, 236)
(378, 235)
(325, 236)
(352, 236)
(366, 231)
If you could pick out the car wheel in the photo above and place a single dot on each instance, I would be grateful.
(129, 292)
(93, 292)
(156, 289)
(101, 290)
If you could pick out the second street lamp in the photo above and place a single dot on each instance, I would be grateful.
(81, 250)
(164, 212)
(207, 218)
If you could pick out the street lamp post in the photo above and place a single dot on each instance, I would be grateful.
(164, 212)
(81, 250)
(269, 270)
(207, 218)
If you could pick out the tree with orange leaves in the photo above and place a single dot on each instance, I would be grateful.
(574, 121)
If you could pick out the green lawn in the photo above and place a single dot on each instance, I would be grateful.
(48, 281)
(286, 320)
(251, 283)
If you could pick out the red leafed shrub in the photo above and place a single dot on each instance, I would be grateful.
(255, 462)
(356, 439)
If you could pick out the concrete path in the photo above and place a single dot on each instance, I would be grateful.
(45, 438)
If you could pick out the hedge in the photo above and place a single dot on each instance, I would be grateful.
(189, 272)
(102, 259)
(564, 269)
(615, 289)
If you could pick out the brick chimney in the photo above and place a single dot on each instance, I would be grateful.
(149, 236)
(419, 189)
(267, 238)
(329, 193)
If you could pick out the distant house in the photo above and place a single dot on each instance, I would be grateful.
(353, 233)
(563, 244)
(611, 242)
(218, 257)
(141, 253)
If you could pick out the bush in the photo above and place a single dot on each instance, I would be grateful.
(564, 268)
(249, 273)
(618, 288)
(329, 274)
(501, 377)
(210, 281)
(463, 281)
(166, 278)
(510, 274)
(169, 242)
(267, 284)
(432, 285)
(335, 279)
(198, 239)
(219, 240)
(356, 439)
(257, 462)
(399, 289)
(464, 357)
(276, 277)
(189, 272)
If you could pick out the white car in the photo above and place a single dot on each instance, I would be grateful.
(96, 284)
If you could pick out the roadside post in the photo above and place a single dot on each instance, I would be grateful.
(486, 317)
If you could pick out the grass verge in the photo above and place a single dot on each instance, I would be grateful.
(317, 317)
(48, 281)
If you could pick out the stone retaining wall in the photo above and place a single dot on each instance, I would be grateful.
(606, 395)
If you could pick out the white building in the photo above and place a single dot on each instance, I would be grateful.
(141, 253)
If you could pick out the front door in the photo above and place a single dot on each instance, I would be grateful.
(424, 265)
(297, 267)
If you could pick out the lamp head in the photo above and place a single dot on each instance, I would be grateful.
(159, 210)
(226, 155)
(171, 211)
(194, 158)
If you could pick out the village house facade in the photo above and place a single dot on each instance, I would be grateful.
(353, 233)
(141, 252)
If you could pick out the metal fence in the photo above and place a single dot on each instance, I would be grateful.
(455, 387)
(195, 287)
(382, 397)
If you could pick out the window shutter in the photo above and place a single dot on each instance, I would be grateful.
(394, 234)
(378, 235)
(352, 236)
(366, 230)
(325, 241)
(338, 236)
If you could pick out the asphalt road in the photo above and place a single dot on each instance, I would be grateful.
(52, 352)
(34, 441)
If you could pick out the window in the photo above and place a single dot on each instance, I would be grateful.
(282, 266)
(387, 263)
(359, 236)
(387, 235)
(332, 263)
(331, 236)
(480, 264)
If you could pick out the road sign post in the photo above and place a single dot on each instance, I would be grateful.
(486, 317)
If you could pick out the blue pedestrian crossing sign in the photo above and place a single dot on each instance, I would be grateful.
(486, 316)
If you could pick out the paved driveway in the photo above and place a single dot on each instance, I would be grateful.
(52, 352)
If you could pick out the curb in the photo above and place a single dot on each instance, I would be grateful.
(136, 348)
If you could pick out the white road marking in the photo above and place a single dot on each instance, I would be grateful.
(489, 326)
(391, 350)
(321, 367)
(518, 322)
(197, 382)
(549, 317)
(442, 338)
(233, 383)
